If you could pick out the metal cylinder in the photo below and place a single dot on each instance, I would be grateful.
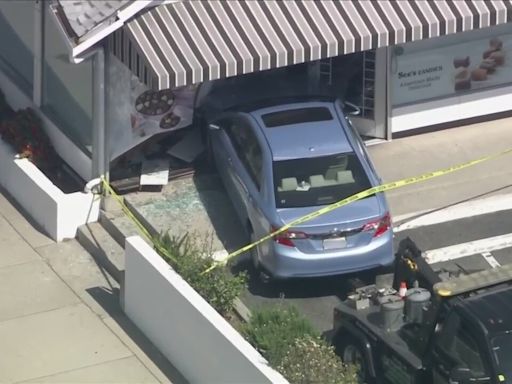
(415, 300)
(392, 312)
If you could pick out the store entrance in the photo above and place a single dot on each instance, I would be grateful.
(358, 78)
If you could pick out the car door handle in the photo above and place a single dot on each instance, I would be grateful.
(230, 161)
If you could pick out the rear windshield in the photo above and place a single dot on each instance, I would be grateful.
(296, 116)
(318, 180)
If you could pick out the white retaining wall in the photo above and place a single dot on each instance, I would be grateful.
(198, 341)
(58, 213)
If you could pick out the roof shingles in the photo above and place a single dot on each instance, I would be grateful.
(84, 15)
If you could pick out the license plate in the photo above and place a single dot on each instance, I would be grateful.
(337, 243)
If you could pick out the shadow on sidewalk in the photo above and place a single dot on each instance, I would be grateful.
(105, 298)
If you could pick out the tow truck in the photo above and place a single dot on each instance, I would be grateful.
(445, 326)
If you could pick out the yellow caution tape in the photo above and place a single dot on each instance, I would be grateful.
(358, 196)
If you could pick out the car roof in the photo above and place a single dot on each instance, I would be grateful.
(303, 140)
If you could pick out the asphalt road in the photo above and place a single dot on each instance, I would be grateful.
(317, 297)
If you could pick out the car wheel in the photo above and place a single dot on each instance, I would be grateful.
(351, 352)
(255, 260)
(262, 275)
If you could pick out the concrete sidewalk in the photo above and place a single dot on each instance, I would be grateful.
(411, 156)
(60, 321)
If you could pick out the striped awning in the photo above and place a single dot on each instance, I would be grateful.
(188, 42)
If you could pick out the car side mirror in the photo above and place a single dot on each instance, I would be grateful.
(213, 127)
(460, 375)
(354, 109)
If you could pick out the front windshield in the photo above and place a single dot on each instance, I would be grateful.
(502, 347)
(318, 181)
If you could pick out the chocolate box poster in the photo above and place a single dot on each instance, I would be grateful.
(136, 113)
(451, 70)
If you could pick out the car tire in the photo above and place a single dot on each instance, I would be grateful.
(260, 272)
(255, 261)
(351, 351)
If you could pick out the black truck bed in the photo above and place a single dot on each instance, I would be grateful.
(369, 321)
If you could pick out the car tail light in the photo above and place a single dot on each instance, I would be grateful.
(287, 237)
(380, 226)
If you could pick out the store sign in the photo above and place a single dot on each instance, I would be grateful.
(421, 79)
(450, 70)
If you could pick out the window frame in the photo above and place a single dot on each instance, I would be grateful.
(446, 343)
(243, 145)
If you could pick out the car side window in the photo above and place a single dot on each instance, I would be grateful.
(467, 351)
(247, 148)
(461, 346)
(233, 131)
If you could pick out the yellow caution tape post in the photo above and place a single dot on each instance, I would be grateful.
(358, 196)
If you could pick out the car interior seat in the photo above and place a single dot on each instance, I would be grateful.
(345, 177)
(288, 184)
(332, 171)
(320, 181)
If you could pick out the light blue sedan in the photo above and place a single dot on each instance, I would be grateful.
(282, 160)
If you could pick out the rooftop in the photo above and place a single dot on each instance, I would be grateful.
(84, 15)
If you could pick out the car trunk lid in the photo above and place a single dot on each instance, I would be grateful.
(344, 227)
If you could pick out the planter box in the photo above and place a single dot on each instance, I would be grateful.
(57, 213)
(198, 341)
(65, 148)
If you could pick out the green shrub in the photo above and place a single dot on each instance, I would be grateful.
(310, 360)
(273, 330)
(285, 337)
(190, 260)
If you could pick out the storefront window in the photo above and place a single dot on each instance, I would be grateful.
(67, 89)
(451, 65)
(17, 42)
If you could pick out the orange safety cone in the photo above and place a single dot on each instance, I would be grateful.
(403, 289)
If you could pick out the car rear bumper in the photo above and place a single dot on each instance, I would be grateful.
(289, 262)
